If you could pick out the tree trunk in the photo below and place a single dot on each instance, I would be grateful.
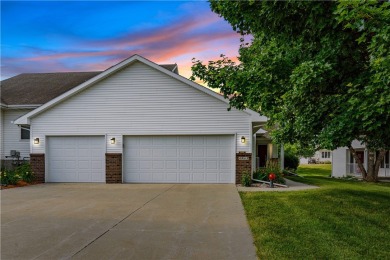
(371, 174)
(378, 162)
(359, 162)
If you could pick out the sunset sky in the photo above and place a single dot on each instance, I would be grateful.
(56, 36)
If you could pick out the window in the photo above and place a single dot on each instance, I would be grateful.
(25, 132)
(386, 160)
(326, 155)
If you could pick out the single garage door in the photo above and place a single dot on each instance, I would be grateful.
(76, 159)
(179, 159)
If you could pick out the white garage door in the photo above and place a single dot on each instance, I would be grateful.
(76, 159)
(182, 159)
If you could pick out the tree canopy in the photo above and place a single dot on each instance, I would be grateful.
(320, 71)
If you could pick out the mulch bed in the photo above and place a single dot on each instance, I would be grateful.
(19, 184)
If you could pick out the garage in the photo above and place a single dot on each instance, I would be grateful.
(76, 159)
(179, 159)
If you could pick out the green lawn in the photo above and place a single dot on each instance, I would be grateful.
(341, 220)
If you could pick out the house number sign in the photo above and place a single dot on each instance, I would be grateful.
(243, 158)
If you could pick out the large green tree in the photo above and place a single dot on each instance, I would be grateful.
(320, 71)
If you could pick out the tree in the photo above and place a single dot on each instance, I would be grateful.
(320, 71)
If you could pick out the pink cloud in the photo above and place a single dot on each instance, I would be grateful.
(197, 37)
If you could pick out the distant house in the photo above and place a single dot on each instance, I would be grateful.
(134, 122)
(320, 156)
(344, 164)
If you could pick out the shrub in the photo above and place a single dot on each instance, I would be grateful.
(246, 179)
(8, 177)
(25, 172)
(271, 167)
(291, 161)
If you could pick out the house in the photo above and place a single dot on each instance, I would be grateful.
(136, 122)
(320, 156)
(344, 164)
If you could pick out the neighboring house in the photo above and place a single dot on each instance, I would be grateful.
(320, 156)
(134, 122)
(344, 164)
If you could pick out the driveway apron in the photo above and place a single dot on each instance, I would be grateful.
(124, 221)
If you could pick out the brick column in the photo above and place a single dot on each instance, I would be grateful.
(113, 168)
(243, 164)
(37, 163)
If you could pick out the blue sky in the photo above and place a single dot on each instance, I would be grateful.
(54, 36)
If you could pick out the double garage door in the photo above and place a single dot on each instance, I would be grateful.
(146, 159)
(182, 159)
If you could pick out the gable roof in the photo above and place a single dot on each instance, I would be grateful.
(38, 88)
(26, 118)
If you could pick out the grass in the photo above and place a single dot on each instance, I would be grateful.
(344, 219)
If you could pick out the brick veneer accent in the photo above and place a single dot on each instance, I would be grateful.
(243, 165)
(113, 168)
(37, 163)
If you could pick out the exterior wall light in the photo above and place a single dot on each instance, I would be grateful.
(243, 139)
(36, 141)
(112, 140)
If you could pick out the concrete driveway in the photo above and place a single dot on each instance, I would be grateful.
(124, 221)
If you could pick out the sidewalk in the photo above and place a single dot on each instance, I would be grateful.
(292, 185)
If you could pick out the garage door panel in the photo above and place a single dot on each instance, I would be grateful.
(158, 177)
(76, 159)
(171, 140)
(196, 165)
(158, 165)
(145, 153)
(185, 177)
(184, 140)
(171, 165)
(198, 176)
(225, 165)
(212, 177)
(159, 152)
(198, 152)
(70, 164)
(224, 153)
(146, 141)
(133, 165)
(171, 177)
(145, 165)
(224, 177)
(198, 159)
(184, 165)
(96, 165)
(146, 177)
(211, 165)
(198, 141)
(212, 152)
(210, 141)
(184, 152)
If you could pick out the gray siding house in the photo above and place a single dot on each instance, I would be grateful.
(136, 122)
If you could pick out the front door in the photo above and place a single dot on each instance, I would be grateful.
(262, 154)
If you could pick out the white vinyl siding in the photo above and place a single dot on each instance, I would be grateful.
(75, 159)
(11, 134)
(179, 159)
(140, 100)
